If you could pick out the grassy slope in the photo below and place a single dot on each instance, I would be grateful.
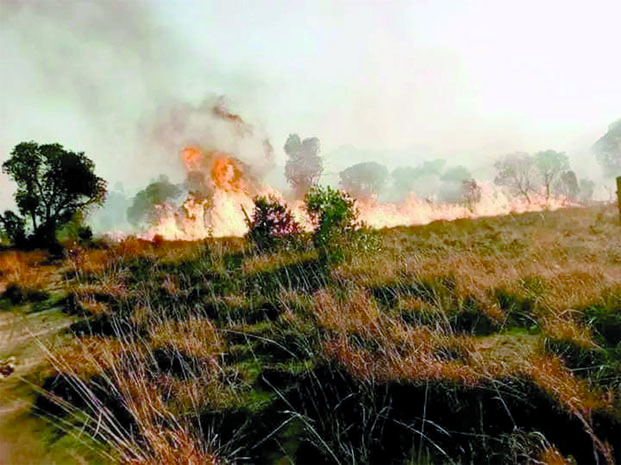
(27, 331)
(489, 340)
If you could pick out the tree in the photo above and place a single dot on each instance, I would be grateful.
(417, 179)
(457, 174)
(53, 185)
(404, 179)
(568, 185)
(431, 168)
(304, 166)
(157, 193)
(470, 193)
(587, 189)
(608, 150)
(516, 172)
(550, 165)
(364, 179)
(454, 183)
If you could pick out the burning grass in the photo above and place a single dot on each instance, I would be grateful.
(470, 341)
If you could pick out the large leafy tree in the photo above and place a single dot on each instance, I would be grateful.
(53, 185)
(608, 150)
(304, 166)
(364, 179)
(550, 165)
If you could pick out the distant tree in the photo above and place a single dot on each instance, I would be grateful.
(608, 150)
(143, 208)
(53, 185)
(364, 179)
(550, 165)
(568, 186)
(516, 171)
(457, 174)
(409, 179)
(431, 168)
(453, 181)
(304, 166)
(587, 189)
(470, 193)
(404, 178)
(272, 223)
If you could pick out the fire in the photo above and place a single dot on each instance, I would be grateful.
(415, 211)
(219, 192)
(219, 187)
(228, 198)
(192, 158)
(227, 174)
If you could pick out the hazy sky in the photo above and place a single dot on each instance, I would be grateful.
(462, 79)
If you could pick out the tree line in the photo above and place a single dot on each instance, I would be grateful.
(57, 187)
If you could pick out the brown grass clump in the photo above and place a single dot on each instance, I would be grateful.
(195, 336)
(574, 394)
(552, 456)
(91, 355)
(356, 313)
(28, 270)
(563, 326)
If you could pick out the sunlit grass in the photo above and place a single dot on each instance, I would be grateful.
(212, 351)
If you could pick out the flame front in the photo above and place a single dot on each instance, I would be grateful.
(220, 193)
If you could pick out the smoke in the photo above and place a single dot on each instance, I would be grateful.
(93, 75)
(133, 84)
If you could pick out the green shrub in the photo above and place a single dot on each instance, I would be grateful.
(272, 224)
(334, 216)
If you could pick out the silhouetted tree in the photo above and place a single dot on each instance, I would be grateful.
(454, 181)
(568, 185)
(608, 150)
(431, 168)
(143, 208)
(471, 193)
(587, 189)
(404, 178)
(304, 166)
(53, 185)
(411, 179)
(364, 179)
(516, 171)
(550, 165)
(457, 174)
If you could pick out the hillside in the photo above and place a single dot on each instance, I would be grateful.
(493, 340)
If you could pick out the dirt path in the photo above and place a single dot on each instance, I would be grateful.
(23, 336)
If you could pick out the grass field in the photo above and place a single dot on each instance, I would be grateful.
(495, 340)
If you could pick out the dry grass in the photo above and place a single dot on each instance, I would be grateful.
(199, 328)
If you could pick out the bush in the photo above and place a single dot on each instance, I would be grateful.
(332, 212)
(272, 224)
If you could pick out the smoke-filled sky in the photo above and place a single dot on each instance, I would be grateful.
(465, 80)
